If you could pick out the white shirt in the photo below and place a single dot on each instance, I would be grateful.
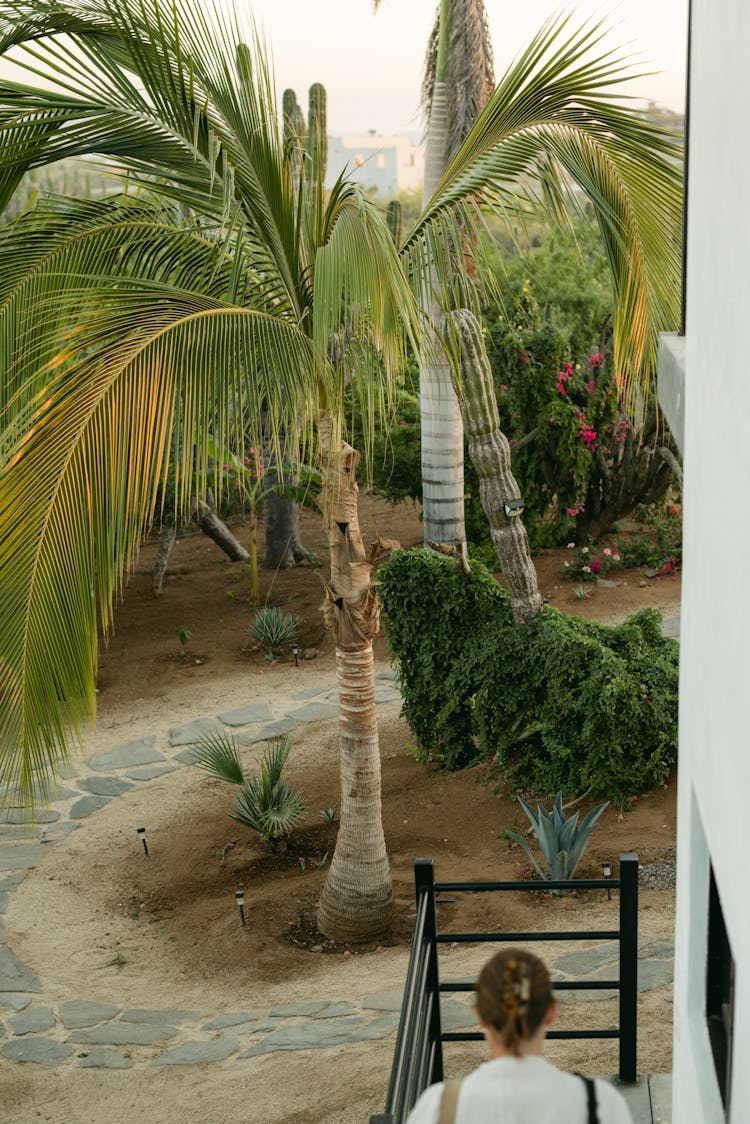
(526, 1090)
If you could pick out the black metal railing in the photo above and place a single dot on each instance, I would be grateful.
(418, 1056)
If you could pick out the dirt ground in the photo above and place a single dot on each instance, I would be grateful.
(169, 918)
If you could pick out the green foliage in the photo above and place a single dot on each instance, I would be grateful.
(328, 814)
(184, 635)
(561, 839)
(264, 803)
(558, 703)
(274, 628)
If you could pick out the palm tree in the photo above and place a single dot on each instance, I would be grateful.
(136, 334)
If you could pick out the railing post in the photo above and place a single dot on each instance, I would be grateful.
(424, 881)
(628, 967)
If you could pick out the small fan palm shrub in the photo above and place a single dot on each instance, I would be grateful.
(274, 629)
(265, 802)
(562, 839)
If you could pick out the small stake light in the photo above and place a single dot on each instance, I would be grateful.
(607, 869)
(295, 653)
(142, 836)
(239, 897)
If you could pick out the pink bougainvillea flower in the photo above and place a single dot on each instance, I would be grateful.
(596, 359)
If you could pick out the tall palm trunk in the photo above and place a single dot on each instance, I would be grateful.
(490, 454)
(440, 414)
(357, 897)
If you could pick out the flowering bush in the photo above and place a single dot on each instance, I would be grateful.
(657, 543)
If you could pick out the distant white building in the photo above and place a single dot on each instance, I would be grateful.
(388, 164)
(704, 389)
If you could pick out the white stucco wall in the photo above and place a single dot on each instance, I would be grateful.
(714, 764)
(389, 164)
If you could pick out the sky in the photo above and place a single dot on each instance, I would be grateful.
(371, 65)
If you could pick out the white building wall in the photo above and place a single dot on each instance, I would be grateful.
(389, 164)
(714, 754)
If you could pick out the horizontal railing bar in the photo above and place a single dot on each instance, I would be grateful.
(475, 1036)
(591, 935)
(558, 985)
(539, 884)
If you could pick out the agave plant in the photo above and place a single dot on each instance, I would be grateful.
(274, 628)
(264, 803)
(561, 839)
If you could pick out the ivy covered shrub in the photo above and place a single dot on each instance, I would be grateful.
(559, 703)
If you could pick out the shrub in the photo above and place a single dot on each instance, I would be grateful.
(559, 703)
(562, 840)
(274, 629)
(264, 803)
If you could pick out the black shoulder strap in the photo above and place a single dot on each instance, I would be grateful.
(593, 1117)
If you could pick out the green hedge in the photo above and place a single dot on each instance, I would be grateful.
(560, 703)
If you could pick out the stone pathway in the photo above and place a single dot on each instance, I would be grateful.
(86, 1034)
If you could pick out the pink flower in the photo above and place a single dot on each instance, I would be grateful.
(596, 566)
(607, 551)
(591, 386)
(596, 359)
(585, 569)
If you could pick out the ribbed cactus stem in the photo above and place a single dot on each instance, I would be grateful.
(317, 134)
(490, 454)
(393, 220)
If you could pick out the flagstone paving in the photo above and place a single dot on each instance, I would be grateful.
(85, 1033)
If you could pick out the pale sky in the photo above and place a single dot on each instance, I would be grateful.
(371, 65)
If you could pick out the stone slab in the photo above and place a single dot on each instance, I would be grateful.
(660, 1090)
(193, 731)
(32, 1021)
(378, 1028)
(390, 674)
(302, 696)
(12, 881)
(121, 1034)
(87, 805)
(56, 832)
(259, 1026)
(315, 1035)
(186, 756)
(662, 948)
(654, 973)
(15, 976)
(232, 1018)
(246, 715)
(314, 711)
(583, 963)
(384, 1000)
(28, 815)
(17, 1001)
(150, 773)
(455, 1015)
(21, 855)
(160, 1018)
(196, 1053)
(294, 1010)
(103, 1058)
(43, 1051)
(265, 733)
(387, 694)
(140, 752)
(77, 1013)
(42, 794)
(4, 899)
(105, 786)
(670, 626)
(637, 1099)
(335, 1011)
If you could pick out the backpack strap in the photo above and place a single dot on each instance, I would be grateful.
(448, 1102)
(593, 1114)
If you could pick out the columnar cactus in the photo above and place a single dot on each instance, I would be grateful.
(393, 220)
(490, 454)
(317, 135)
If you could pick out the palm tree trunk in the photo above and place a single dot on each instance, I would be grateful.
(440, 414)
(490, 454)
(356, 901)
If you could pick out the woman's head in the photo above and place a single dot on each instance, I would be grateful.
(514, 994)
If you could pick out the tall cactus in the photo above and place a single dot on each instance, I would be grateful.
(490, 454)
(317, 135)
(393, 220)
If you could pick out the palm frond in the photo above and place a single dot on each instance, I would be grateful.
(220, 756)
